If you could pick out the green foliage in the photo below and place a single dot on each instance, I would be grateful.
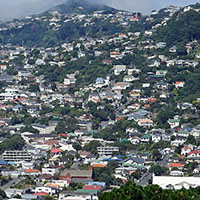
(105, 174)
(33, 88)
(74, 186)
(131, 191)
(15, 120)
(156, 154)
(30, 129)
(191, 140)
(180, 29)
(48, 197)
(15, 142)
(158, 170)
(2, 194)
(37, 32)
(92, 147)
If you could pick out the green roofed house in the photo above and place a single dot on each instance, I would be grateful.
(146, 138)
(87, 191)
(124, 140)
(173, 122)
(161, 72)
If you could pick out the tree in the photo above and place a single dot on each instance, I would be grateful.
(33, 88)
(156, 154)
(15, 142)
(61, 128)
(48, 197)
(2, 194)
(92, 147)
(158, 170)
(191, 140)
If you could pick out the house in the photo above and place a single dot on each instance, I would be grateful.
(32, 172)
(147, 123)
(83, 154)
(156, 138)
(94, 97)
(155, 63)
(170, 63)
(161, 72)
(179, 140)
(17, 108)
(134, 139)
(107, 150)
(92, 187)
(133, 162)
(179, 84)
(160, 45)
(89, 158)
(185, 105)
(11, 192)
(115, 55)
(173, 123)
(194, 154)
(43, 129)
(120, 86)
(50, 171)
(173, 49)
(107, 62)
(180, 166)
(129, 78)
(146, 138)
(118, 69)
(76, 175)
(45, 189)
(100, 81)
(180, 62)
(186, 150)
(176, 173)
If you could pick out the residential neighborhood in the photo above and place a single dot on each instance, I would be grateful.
(86, 116)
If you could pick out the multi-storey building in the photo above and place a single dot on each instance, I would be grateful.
(16, 156)
(107, 150)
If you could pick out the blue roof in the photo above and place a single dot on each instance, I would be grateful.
(11, 163)
(187, 129)
(18, 106)
(97, 183)
(100, 80)
(112, 159)
(2, 162)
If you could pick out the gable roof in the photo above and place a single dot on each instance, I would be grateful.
(77, 173)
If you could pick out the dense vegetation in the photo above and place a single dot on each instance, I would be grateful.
(39, 33)
(131, 191)
(180, 29)
(14, 142)
(72, 6)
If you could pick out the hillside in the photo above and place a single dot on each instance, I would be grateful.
(53, 27)
(184, 26)
(81, 7)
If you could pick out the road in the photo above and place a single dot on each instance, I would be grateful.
(121, 108)
(9, 184)
(143, 181)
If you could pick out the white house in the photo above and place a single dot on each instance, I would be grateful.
(145, 123)
(156, 138)
(50, 171)
(49, 190)
(173, 122)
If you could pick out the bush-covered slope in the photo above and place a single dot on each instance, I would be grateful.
(181, 28)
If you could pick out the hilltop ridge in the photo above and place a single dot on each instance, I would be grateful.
(81, 7)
